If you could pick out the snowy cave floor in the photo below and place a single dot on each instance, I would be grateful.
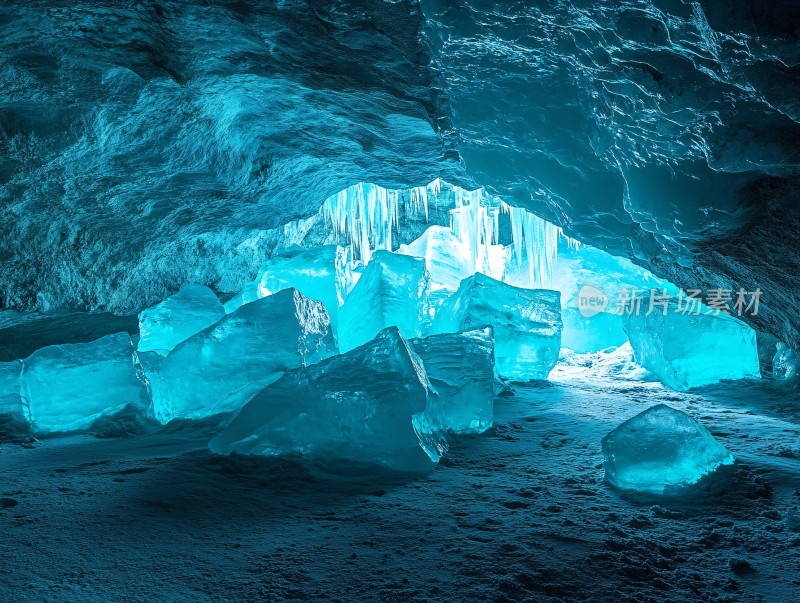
(517, 514)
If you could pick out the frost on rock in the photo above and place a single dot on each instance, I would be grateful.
(393, 291)
(784, 363)
(189, 311)
(356, 408)
(219, 368)
(67, 387)
(460, 368)
(659, 450)
(688, 350)
(526, 323)
(319, 273)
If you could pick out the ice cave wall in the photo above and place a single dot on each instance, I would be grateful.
(144, 146)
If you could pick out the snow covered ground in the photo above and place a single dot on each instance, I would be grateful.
(517, 514)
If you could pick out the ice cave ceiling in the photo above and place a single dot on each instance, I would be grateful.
(145, 145)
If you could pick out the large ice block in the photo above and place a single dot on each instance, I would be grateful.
(460, 368)
(588, 334)
(318, 273)
(356, 408)
(526, 323)
(177, 318)
(688, 350)
(66, 387)
(219, 368)
(392, 291)
(659, 450)
(11, 387)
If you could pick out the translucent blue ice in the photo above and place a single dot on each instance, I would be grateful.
(460, 370)
(219, 368)
(659, 450)
(393, 291)
(688, 350)
(357, 407)
(10, 388)
(318, 273)
(177, 318)
(526, 322)
(67, 387)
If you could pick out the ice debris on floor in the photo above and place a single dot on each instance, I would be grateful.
(358, 408)
(687, 350)
(526, 323)
(659, 451)
(177, 318)
(66, 387)
(219, 368)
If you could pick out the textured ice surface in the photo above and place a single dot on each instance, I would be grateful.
(10, 387)
(393, 291)
(67, 387)
(690, 350)
(189, 311)
(217, 369)
(318, 273)
(784, 363)
(460, 368)
(661, 449)
(526, 323)
(358, 407)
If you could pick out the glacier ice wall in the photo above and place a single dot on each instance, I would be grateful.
(146, 146)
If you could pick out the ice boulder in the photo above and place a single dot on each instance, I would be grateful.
(460, 368)
(219, 368)
(526, 323)
(319, 273)
(177, 318)
(67, 387)
(660, 450)
(392, 291)
(688, 350)
(10, 387)
(354, 409)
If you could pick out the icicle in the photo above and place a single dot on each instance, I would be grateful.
(539, 240)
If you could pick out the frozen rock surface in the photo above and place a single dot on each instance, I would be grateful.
(460, 368)
(67, 387)
(356, 408)
(784, 363)
(526, 323)
(219, 368)
(688, 350)
(189, 311)
(393, 291)
(660, 450)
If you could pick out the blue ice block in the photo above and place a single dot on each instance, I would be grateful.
(661, 450)
(177, 318)
(219, 368)
(688, 350)
(393, 291)
(358, 407)
(66, 387)
(526, 323)
(460, 369)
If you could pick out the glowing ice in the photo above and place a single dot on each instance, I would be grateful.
(318, 273)
(67, 387)
(659, 450)
(526, 322)
(177, 318)
(218, 369)
(10, 388)
(392, 291)
(460, 368)
(688, 350)
(358, 407)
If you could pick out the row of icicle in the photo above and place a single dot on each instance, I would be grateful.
(367, 215)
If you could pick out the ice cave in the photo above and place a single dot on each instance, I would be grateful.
(401, 300)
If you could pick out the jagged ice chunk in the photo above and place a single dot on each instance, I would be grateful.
(358, 407)
(659, 450)
(218, 369)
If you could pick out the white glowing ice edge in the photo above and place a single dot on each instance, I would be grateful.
(367, 215)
